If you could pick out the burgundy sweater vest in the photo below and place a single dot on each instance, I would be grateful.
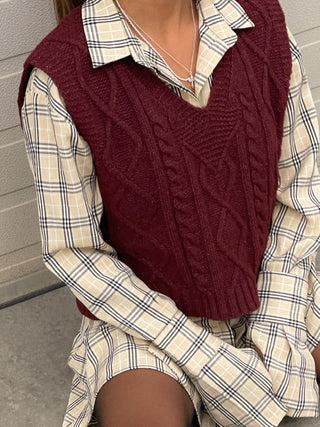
(188, 193)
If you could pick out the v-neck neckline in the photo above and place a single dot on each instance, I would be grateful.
(165, 96)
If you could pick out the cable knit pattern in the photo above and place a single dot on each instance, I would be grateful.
(188, 193)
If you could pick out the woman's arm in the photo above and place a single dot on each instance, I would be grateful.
(70, 209)
(286, 327)
(294, 235)
(287, 271)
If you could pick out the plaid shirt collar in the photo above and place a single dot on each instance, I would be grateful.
(110, 39)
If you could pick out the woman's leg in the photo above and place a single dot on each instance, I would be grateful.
(143, 398)
(316, 356)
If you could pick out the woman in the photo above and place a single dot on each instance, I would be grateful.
(203, 133)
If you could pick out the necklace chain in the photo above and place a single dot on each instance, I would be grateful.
(140, 31)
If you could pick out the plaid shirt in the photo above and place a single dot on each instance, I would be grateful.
(70, 205)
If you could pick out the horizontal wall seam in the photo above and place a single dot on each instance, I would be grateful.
(31, 295)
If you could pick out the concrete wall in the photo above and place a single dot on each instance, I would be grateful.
(303, 19)
(23, 24)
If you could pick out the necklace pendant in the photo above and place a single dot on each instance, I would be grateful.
(191, 80)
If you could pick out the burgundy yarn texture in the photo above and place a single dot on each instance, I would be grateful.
(188, 192)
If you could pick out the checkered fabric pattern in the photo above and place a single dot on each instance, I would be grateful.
(286, 326)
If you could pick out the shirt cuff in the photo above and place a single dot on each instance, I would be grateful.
(187, 343)
(150, 317)
(283, 299)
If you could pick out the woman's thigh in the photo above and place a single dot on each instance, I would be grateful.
(143, 398)
(316, 357)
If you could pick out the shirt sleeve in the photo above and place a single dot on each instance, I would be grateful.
(294, 237)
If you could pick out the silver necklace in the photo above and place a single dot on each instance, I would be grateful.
(140, 31)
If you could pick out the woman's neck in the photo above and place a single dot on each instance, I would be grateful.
(173, 24)
(159, 16)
